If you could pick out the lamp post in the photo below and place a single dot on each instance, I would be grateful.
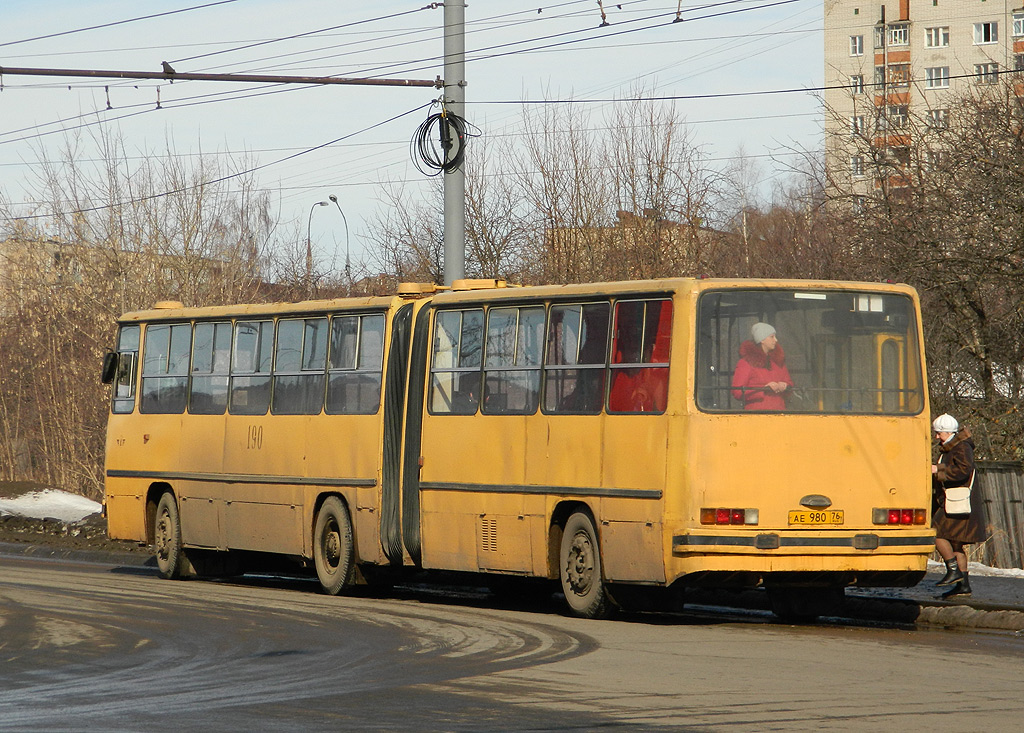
(348, 268)
(309, 248)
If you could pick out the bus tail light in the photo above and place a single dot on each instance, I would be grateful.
(724, 515)
(882, 515)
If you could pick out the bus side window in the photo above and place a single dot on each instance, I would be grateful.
(640, 356)
(211, 359)
(455, 365)
(301, 359)
(356, 358)
(124, 376)
(577, 353)
(250, 368)
(515, 338)
(165, 360)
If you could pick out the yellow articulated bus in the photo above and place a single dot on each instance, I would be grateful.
(617, 437)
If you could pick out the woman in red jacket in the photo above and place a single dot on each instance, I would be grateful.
(761, 380)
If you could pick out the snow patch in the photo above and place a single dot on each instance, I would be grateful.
(978, 570)
(50, 504)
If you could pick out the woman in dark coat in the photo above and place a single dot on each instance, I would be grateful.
(955, 467)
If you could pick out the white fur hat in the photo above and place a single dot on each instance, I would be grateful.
(760, 331)
(945, 423)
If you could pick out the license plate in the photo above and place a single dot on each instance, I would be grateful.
(825, 516)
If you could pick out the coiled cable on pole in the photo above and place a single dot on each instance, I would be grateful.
(443, 150)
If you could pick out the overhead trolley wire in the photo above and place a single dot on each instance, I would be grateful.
(229, 176)
(116, 22)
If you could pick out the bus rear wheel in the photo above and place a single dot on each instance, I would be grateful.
(170, 556)
(580, 569)
(333, 553)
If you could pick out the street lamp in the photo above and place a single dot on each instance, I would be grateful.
(309, 248)
(348, 268)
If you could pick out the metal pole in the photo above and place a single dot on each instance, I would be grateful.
(348, 267)
(309, 248)
(455, 181)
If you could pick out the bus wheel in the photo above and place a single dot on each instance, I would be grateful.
(580, 569)
(170, 557)
(332, 546)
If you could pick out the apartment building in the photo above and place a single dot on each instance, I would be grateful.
(892, 69)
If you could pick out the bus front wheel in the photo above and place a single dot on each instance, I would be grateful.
(170, 556)
(332, 546)
(580, 569)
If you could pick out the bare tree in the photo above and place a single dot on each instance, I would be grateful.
(109, 237)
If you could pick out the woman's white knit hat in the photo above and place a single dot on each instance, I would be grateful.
(760, 331)
(945, 423)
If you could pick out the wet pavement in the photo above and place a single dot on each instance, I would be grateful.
(996, 601)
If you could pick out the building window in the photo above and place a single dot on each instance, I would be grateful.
(1018, 62)
(859, 204)
(933, 159)
(936, 37)
(857, 84)
(901, 156)
(987, 73)
(899, 34)
(858, 125)
(898, 75)
(879, 76)
(936, 77)
(938, 118)
(987, 32)
(856, 45)
(898, 116)
(879, 36)
(857, 165)
(1018, 24)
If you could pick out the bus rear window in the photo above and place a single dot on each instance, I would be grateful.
(824, 351)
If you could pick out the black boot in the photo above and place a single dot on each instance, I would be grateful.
(963, 588)
(953, 574)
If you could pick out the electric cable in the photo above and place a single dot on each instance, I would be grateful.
(228, 177)
(116, 22)
(448, 153)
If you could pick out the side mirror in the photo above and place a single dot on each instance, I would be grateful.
(109, 367)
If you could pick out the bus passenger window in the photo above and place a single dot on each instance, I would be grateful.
(640, 356)
(574, 367)
(355, 365)
(165, 368)
(250, 368)
(455, 365)
(515, 338)
(127, 359)
(301, 359)
(211, 360)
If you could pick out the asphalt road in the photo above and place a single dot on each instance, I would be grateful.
(96, 647)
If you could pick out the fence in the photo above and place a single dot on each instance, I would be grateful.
(1001, 488)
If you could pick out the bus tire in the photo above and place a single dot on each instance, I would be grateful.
(170, 556)
(580, 569)
(333, 553)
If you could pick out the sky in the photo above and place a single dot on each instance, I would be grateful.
(353, 141)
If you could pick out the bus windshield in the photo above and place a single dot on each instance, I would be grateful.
(808, 351)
